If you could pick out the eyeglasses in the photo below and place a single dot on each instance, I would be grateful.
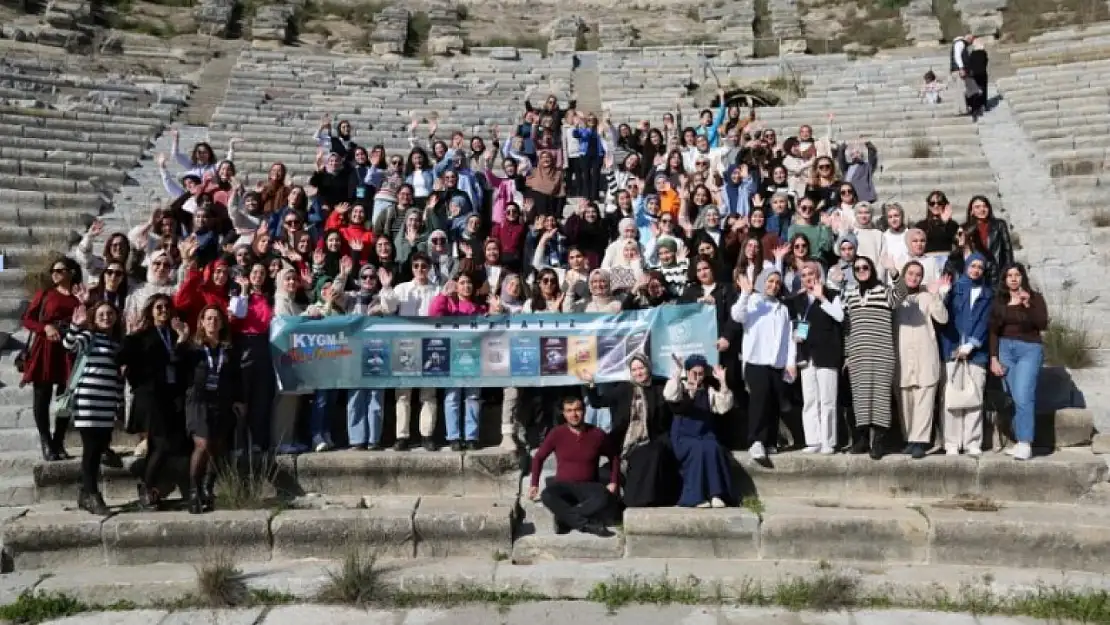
(846, 192)
(293, 222)
(805, 207)
(859, 268)
(113, 273)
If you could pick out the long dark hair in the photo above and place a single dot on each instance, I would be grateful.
(96, 293)
(1002, 290)
(147, 318)
(539, 303)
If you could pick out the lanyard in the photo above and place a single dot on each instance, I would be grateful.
(214, 365)
(809, 305)
(164, 334)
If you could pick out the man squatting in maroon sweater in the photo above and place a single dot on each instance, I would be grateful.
(575, 497)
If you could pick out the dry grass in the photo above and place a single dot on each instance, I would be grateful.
(921, 148)
(970, 503)
(1024, 18)
(1100, 218)
(1068, 341)
(951, 24)
(220, 583)
(357, 582)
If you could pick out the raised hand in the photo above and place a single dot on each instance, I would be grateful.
(946, 213)
(80, 315)
(677, 362)
(356, 244)
(181, 328)
(96, 228)
(744, 283)
(449, 288)
(244, 283)
(782, 250)
(318, 257)
(342, 207)
(757, 200)
(385, 277)
(160, 160)
(719, 373)
(175, 135)
(836, 274)
(346, 264)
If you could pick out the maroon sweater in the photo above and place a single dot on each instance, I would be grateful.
(576, 454)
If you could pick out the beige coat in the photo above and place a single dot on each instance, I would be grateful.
(918, 352)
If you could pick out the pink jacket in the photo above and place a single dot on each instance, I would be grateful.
(454, 306)
(504, 191)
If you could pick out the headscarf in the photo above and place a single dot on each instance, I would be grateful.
(761, 279)
(732, 191)
(846, 237)
(627, 222)
(150, 277)
(872, 278)
(506, 298)
(667, 242)
(966, 279)
(546, 180)
(695, 360)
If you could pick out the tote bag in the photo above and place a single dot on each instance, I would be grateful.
(63, 404)
(961, 392)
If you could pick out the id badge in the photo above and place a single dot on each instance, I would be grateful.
(801, 331)
(171, 374)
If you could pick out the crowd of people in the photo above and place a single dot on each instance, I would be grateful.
(828, 305)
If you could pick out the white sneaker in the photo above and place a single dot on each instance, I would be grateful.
(1009, 451)
(952, 452)
(703, 505)
(827, 451)
(508, 443)
(974, 452)
(322, 446)
(756, 451)
(811, 449)
(140, 449)
(1023, 451)
(716, 502)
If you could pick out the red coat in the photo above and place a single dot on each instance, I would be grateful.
(350, 232)
(48, 361)
(196, 292)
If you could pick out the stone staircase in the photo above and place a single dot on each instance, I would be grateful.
(584, 82)
(211, 88)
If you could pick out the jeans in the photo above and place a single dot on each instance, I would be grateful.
(318, 425)
(451, 405)
(1022, 361)
(601, 417)
(364, 416)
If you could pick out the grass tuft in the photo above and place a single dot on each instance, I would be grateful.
(1069, 345)
(357, 582)
(36, 607)
(622, 591)
(921, 148)
(220, 583)
(753, 505)
(829, 590)
(1100, 218)
(243, 484)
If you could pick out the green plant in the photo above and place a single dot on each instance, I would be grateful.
(1068, 342)
(753, 505)
(357, 582)
(622, 591)
(921, 148)
(828, 590)
(420, 25)
(36, 607)
(243, 484)
(265, 596)
(219, 582)
(500, 556)
(462, 12)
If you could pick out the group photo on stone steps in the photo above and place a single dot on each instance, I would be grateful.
(845, 324)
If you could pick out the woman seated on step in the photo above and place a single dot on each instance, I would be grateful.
(695, 402)
(641, 430)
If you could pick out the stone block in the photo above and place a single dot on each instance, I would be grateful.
(491, 472)
(690, 533)
(1100, 443)
(463, 526)
(37, 541)
(1073, 538)
(817, 531)
(1063, 477)
(1064, 427)
(385, 530)
(386, 473)
(145, 538)
(246, 616)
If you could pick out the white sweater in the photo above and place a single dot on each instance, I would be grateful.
(409, 299)
(768, 333)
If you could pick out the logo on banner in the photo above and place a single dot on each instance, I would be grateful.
(312, 347)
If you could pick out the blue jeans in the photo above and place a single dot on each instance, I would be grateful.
(451, 404)
(600, 417)
(318, 425)
(1022, 361)
(364, 416)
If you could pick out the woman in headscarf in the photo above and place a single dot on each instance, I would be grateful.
(894, 235)
(586, 230)
(444, 264)
(871, 357)
(915, 321)
(653, 292)
(512, 293)
(641, 428)
(768, 354)
(627, 231)
(545, 183)
(159, 279)
(674, 267)
(628, 270)
(1018, 317)
(328, 301)
(601, 298)
(964, 341)
(411, 236)
(818, 315)
(706, 475)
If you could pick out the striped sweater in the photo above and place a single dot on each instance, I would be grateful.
(98, 388)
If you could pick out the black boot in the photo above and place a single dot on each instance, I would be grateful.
(861, 441)
(58, 441)
(877, 443)
(208, 493)
(111, 459)
(149, 499)
(93, 503)
(196, 502)
(47, 446)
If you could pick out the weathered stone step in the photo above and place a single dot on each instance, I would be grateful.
(487, 472)
(967, 531)
(394, 527)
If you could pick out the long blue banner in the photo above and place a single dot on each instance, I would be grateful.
(350, 352)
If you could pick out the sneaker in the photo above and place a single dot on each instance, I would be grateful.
(703, 505)
(811, 449)
(358, 447)
(430, 444)
(756, 451)
(373, 447)
(974, 452)
(827, 451)
(951, 452)
(402, 444)
(1009, 451)
(716, 502)
(1023, 451)
(322, 446)
(140, 449)
(918, 451)
(456, 446)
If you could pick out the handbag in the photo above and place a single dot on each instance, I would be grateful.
(25, 353)
(62, 406)
(961, 392)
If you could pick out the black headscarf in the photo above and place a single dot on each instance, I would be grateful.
(872, 280)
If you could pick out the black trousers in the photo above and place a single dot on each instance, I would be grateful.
(42, 394)
(576, 504)
(158, 450)
(574, 176)
(94, 442)
(591, 177)
(766, 397)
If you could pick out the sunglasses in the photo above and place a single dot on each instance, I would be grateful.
(59, 270)
(548, 280)
(805, 207)
(113, 272)
(368, 276)
(293, 222)
(934, 203)
(861, 268)
(847, 192)
(800, 246)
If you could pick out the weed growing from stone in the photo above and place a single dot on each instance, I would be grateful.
(220, 583)
(265, 596)
(453, 595)
(1100, 218)
(32, 607)
(243, 484)
(1068, 341)
(921, 148)
(622, 591)
(500, 556)
(829, 590)
(753, 505)
(357, 582)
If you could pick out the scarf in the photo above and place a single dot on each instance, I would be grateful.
(546, 180)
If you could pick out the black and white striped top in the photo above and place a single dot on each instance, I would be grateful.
(870, 323)
(98, 393)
